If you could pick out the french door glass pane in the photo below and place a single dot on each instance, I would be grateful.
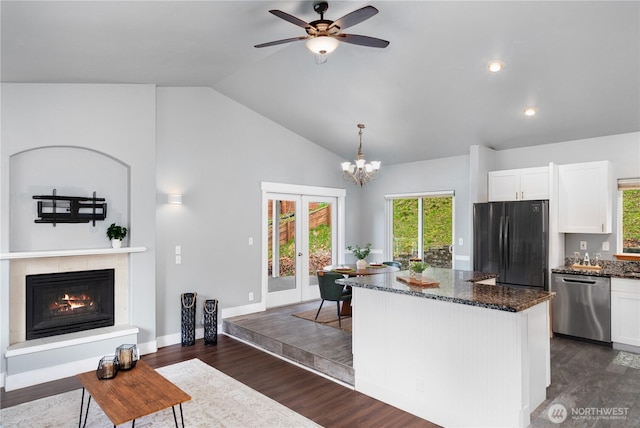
(319, 238)
(282, 245)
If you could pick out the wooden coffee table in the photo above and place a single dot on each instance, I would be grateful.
(131, 394)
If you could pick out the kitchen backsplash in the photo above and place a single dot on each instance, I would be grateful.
(614, 265)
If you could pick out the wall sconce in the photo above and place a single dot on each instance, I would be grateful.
(174, 199)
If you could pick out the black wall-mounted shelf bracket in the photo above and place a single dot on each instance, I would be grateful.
(70, 209)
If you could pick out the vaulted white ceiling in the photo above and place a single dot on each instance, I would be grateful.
(428, 95)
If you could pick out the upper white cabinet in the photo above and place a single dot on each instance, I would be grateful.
(585, 197)
(519, 184)
(625, 311)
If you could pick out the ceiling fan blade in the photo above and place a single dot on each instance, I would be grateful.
(356, 39)
(355, 17)
(280, 42)
(290, 18)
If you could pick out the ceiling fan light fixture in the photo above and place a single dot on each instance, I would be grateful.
(322, 45)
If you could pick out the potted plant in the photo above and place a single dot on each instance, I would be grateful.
(361, 254)
(116, 234)
(416, 269)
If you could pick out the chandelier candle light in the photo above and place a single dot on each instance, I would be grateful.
(362, 171)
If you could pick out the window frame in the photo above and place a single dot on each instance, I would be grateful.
(622, 185)
(389, 198)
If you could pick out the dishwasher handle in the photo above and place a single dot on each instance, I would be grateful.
(577, 281)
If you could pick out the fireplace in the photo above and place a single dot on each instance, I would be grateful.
(59, 303)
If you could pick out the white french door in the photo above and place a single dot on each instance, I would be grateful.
(300, 236)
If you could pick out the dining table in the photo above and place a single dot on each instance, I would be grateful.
(351, 270)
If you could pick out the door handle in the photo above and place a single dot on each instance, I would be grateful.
(300, 254)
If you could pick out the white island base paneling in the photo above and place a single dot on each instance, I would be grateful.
(452, 364)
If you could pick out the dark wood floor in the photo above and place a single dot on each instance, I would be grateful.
(321, 400)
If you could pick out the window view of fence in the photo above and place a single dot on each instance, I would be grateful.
(319, 237)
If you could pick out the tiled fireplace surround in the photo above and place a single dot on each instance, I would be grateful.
(40, 360)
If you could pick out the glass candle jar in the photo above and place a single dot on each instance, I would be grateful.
(127, 356)
(107, 367)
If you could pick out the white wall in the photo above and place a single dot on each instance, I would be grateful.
(72, 171)
(216, 153)
(115, 120)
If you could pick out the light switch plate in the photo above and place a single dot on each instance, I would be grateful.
(605, 246)
(178, 249)
(583, 245)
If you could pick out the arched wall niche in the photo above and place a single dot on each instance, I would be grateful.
(72, 171)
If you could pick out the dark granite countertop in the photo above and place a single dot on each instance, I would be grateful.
(609, 272)
(456, 286)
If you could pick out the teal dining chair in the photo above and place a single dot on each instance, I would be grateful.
(394, 263)
(331, 291)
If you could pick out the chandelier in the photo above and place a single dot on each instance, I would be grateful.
(362, 171)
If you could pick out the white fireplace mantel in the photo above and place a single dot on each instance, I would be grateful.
(64, 253)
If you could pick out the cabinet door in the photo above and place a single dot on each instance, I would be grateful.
(534, 183)
(584, 198)
(504, 185)
(625, 318)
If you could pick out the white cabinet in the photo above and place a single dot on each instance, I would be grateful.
(519, 184)
(585, 197)
(625, 311)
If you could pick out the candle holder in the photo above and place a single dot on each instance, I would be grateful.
(107, 367)
(127, 356)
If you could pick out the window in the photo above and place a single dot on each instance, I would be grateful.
(629, 207)
(421, 227)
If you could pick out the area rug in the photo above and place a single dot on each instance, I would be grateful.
(216, 400)
(627, 359)
(327, 316)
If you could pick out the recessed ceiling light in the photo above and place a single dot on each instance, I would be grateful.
(531, 111)
(495, 66)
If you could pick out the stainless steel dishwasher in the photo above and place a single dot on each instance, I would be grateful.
(582, 306)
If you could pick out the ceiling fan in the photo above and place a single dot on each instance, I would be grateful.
(324, 35)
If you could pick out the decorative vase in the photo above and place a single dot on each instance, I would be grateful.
(361, 264)
(116, 243)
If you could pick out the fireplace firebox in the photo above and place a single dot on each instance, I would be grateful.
(59, 303)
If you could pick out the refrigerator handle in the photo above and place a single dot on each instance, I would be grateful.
(501, 242)
(507, 256)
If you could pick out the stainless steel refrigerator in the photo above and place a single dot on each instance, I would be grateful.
(511, 239)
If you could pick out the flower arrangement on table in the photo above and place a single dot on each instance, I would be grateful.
(361, 254)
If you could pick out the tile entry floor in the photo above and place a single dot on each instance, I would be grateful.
(591, 385)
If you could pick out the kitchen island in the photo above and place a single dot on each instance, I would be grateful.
(463, 353)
